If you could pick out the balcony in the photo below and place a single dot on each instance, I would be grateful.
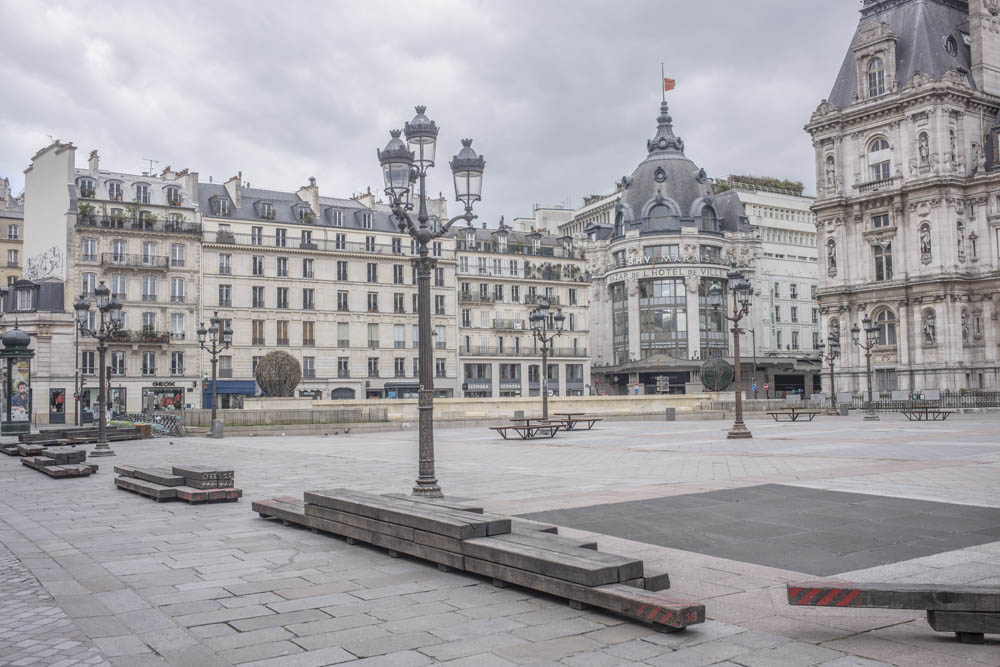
(133, 261)
(176, 262)
(12, 264)
(372, 344)
(508, 325)
(177, 298)
(309, 373)
(494, 351)
(314, 245)
(225, 372)
(148, 371)
(343, 342)
(149, 298)
(515, 249)
(878, 186)
(469, 297)
(258, 341)
(400, 344)
(533, 299)
(142, 337)
(308, 342)
(91, 221)
(283, 342)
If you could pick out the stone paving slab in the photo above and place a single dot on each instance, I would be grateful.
(126, 571)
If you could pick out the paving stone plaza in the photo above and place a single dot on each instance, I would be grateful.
(91, 575)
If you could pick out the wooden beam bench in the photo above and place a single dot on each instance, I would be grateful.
(793, 414)
(192, 484)
(55, 469)
(968, 611)
(459, 535)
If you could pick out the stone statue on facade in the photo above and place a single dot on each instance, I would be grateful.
(831, 257)
(961, 241)
(965, 327)
(831, 174)
(924, 150)
(930, 334)
(925, 242)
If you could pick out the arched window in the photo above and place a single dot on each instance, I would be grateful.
(879, 144)
(878, 159)
(659, 216)
(885, 320)
(618, 224)
(876, 78)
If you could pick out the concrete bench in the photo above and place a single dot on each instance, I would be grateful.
(968, 611)
(458, 535)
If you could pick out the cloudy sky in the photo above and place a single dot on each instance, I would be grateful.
(559, 95)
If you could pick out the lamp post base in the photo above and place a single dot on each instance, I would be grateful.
(427, 489)
(739, 431)
(102, 449)
(871, 416)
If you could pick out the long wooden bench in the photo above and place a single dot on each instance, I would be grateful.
(459, 535)
(529, 431)
(192, 484)
(968, 611)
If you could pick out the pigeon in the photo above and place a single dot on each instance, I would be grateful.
(171, 442)
(347, 431)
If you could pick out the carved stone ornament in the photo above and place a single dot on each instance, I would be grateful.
(692, 283)
(992, 6)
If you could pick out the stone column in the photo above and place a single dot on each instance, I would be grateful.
(634, 351)
(693, 323)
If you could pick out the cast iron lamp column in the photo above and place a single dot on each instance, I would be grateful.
(539, 319)
(832, 353)
(404, 166)
(216, 344)
(871, 340)
(740, 289)
(107, 326)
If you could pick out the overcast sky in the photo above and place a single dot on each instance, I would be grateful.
(559, 95)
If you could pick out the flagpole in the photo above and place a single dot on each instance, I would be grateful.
(663, 87)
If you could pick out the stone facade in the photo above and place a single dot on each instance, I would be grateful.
(139, 234)
(502, 275)
(330, 282)
(908, 196)
(11, 234)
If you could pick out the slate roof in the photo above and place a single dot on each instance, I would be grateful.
(921, 27)
(459, 232)
(284, 206)
(157, 186)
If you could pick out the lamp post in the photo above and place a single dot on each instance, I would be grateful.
(539, 319)
(871, 340)
(107, 326)
(740, 289)
(832, 354)
(218, 338)
(404, 167)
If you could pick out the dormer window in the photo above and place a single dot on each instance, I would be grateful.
(337, 217)
(87, 187)
(708, 222)
(114, 191)
(536, 245)
(876, 78)
(266, 210)
(306, 215)
(220, 205)
(502, 242)
(366, 220)
(142, 193)
(173, 195)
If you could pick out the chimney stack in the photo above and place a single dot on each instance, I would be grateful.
(310, 195)
(95, 163)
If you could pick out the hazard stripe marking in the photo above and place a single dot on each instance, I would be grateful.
(848, 598)
(826, 599)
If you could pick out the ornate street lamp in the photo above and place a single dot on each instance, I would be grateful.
(871, 340)
(107, 326)
(740, 289)
(831, 355)
(215, 345)
(404, 168)
(539, 320)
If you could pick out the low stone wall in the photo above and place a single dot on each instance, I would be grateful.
(470, 409)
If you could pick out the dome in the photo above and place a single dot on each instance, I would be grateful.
(15, 338)
(666, 177)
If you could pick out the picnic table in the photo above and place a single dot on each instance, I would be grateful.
(793, 414)
(571, 419)
(529, 428)
(926, 413)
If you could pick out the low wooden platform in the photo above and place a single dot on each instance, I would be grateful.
(461, 536)
(192, 484)
(53, 468)
(968, 611)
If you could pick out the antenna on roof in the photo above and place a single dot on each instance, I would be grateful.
(151, 163)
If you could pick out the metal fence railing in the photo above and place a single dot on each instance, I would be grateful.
(985, 399)
(287, 417)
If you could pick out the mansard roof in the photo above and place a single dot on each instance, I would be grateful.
(922, 28)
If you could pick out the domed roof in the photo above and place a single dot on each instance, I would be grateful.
(15, 338)
(666, 172)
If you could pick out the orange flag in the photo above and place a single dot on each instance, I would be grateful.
(668, 84)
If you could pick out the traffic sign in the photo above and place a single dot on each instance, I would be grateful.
(765, 386)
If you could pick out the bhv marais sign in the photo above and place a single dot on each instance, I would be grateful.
(669, 272)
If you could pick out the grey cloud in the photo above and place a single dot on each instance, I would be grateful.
(560, 96)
